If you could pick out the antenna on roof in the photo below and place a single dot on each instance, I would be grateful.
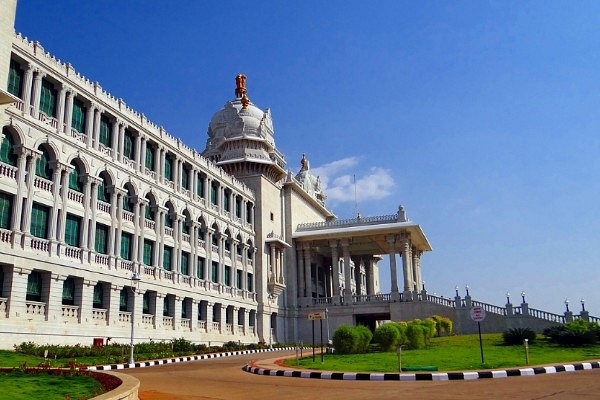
(357, 211)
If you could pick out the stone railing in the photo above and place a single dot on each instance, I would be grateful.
(70, 312)
(3, 307)
(40, 244)
(102, 259)
(128, 216)
(490, 308)
(104, 207)
(168, 322)
(215, 326)
(5, 236)
(125, 317)
(532, 312)
(35, 308)
(149, 224)
(148, 319)
(382, 219)
(186, 323)
(41, 183)
(202, 325)
(75, 196)
(99, 314)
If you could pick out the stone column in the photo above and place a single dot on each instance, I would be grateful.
(137, 156)
(407, 267)
(60, 107)
(335, 264)
(87, 210)
(416, 267)
(347, 271)
(28, 83)
(391, 241)
(69, 113)
(94, 210)
(300, 266)
(90, 122)
(307, 271)
(94, 130)
(37, 90)
(114, 143)
(142, 156)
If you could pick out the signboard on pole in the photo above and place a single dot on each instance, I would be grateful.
(477, 314)
(315, 316)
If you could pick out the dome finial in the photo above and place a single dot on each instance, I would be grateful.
(240, 85)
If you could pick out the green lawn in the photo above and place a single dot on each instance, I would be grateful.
(453, 353)
(18, 385)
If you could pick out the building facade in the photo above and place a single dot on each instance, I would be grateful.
(109, 223)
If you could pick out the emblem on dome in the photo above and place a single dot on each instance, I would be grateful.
(240, 90)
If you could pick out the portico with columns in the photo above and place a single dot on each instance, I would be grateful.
(337, 261)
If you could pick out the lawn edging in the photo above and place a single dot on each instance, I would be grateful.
(152, 363)
(437, 376)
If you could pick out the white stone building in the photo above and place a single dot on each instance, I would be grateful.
(227, 244)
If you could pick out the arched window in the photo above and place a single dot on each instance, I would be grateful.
(168, 220)
(42, 165)
(127, 203)
(7, 155)
(103, 194)
(74, 179)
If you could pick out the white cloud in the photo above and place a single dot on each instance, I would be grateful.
(340, 186)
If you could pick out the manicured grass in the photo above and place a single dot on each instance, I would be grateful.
(18, 385)
(453, 353)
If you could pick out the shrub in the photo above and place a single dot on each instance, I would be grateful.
(516, 336)
(345, 339)
(576, 333)
(442, 325)
(428, 329)
(364, 338)
(415, 335)
(387, 336)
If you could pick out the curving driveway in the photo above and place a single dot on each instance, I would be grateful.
(223, 378)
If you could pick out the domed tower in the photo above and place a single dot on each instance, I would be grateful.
(241, 140)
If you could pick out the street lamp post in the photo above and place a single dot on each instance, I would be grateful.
(456, 289)
(582, 304)
(135, 281)
(507, 298)
(523, 295)
(567, 304)
(467, 289)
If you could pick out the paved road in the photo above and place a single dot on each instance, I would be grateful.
(223, 378)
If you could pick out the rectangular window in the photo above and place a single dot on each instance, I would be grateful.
(185, 178)
(48, 98)
(168, 167)
(167, 256)
(148, 252)
(126, 246)
(39, 220)
(68, 293)
(250, 282)
(150, 154)
(238, 207)
(200, 187)
(226, 201)
(185, 263)
(214, 273)
(78, 116)
(98, 295)
(128, 141)
(227, 275)
(213, 193)
(238, 278)
(34, 286)
(200, 268)
(105, 137)
(15, 79)
(72, 230)
(5, 210)
(101, 239)
(249, 213)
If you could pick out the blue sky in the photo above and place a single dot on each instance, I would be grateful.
(480, 117)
